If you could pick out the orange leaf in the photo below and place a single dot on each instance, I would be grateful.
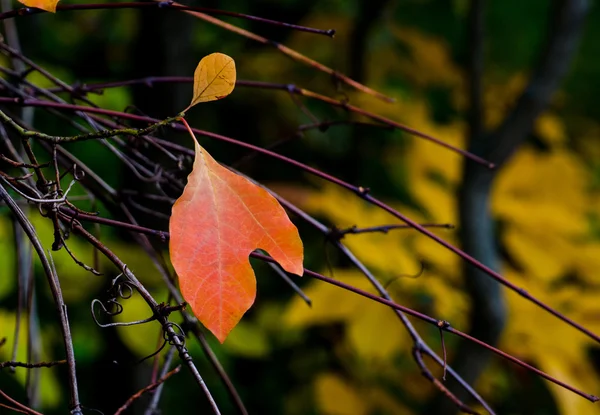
(214, 78)
(220, 218)
(48, 5)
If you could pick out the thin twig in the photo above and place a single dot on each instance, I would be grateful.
(32, 365)
(354, 230)
(175, 338)
(398, 307)
(291, 283)
(19, 405)
(291, 53)
(148, 388)
(21, 411)
(164, 5)
(61, 308)
(151, 410)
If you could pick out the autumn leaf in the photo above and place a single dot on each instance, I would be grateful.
(48, 5)
(214, 78)
(220, 218)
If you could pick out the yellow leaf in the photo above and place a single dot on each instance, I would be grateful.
(48, 5)
(141, 339)
(542, 255)
(551, 129)
(336, 397)
(439, 202)
(248, 340)
(384, 252)
(369, 333)
(374, 334)
(50, 393)
(214, 78)
(8, 263)
(347, 305)
(575, 373)
(587, 261)
(525, 337)
(429, 61)
(440, 257)
(543, 191)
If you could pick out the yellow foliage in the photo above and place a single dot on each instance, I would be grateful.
(249, 340)
(425, 157)
(550, 129)
(439, 203)
(8, 263)
(368, 323)
(440, 257)
(336, 397)
(586, 261)
(536, 336)
(142, 339)
(430, 62)
(374, 331)
(541, 254)
(544, 199)
(385, 252)
(499, 97)
(543, 191)
(50, 390)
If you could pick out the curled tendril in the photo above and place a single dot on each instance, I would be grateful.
(164, 343)
(114, 313)
(78, 174)
(92, 409)
(120, 289)
(171, 337)
(414, 276)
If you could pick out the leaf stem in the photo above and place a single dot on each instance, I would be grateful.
(136, 132)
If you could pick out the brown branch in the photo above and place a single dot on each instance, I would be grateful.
(360, 191)
(54, 284)
(32, 365)
(291, 53)
(19, 405)
(174, 337)
(13, 409)
(477, 226)
(164, 5)
(355, 230)
(418, 356)
(388, 302)
(148, 388)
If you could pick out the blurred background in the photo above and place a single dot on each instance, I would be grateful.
(345, 354)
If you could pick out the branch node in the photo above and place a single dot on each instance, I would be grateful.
(363, 191)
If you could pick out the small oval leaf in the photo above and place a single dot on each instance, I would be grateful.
(48, 5)
(214, 78)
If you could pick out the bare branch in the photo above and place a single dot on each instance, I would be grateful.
(148, 388)
(61, 308)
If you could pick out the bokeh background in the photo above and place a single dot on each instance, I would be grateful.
(344, 355)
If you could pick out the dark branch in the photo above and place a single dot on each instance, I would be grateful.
(163, 5)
